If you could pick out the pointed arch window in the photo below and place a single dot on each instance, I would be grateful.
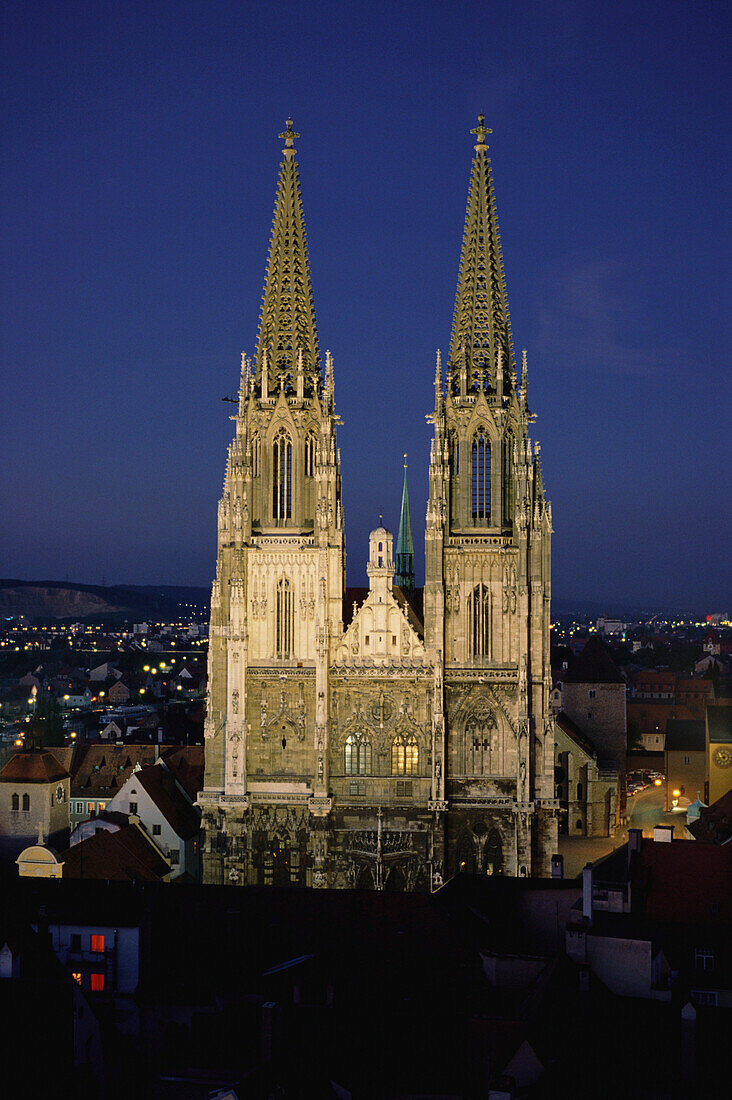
(404, 755)
(454, 454)
(282, 476)
(357, 754)
(26, 802)
(15, 802)
(284, 620)
(310, 455)
(481, 477)
(508, 495)
(256, 449)
(479, 621)
(478, 733)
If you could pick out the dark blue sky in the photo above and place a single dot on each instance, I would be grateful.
(139, 163)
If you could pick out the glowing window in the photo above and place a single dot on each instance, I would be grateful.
(404, 755)
(76, 975)
(357, 754)
(97, 983)
(97, 943)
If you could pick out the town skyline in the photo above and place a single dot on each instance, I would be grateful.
(139, 217)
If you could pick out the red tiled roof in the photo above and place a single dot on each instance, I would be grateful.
(126, 854)
(686, 882)
(32, 767)
(187, 765)
(107, 767)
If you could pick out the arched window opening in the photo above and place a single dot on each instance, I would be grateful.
(15, 802)
(479, 621)
(256, 449)
(310, 456)
(357, 754)
(26, 801)
(493, 859)
(579, 792)
(284, 620)
(508, 496)
(481, 480)
(454, 454)
(282, 477)
(404, 755)
(478, 732)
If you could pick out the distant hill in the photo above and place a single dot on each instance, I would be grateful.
(62, 600)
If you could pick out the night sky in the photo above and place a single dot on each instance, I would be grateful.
(139, 165)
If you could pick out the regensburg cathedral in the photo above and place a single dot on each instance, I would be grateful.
(386, 741)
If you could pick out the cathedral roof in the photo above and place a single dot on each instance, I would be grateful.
(481, 325)
(287, 336)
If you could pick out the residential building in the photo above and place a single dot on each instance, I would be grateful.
(719, 749)
(160, 802)
(685, 761)
(35, 793)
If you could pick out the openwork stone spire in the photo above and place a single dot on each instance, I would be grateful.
(481, 323)
(405, 546)
(287, 341)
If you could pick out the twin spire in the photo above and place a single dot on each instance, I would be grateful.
(287, 341)
(481, 345)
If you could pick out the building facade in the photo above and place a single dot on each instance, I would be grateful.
(361, 744)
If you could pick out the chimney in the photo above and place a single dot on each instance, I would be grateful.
(663, 834)
(635, 838)
(688, 1042)
(558, 866)
(269, 1008)
(587, 892)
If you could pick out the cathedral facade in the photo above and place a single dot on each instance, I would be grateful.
(383, 741)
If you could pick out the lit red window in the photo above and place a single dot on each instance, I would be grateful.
(97, 943)
(97, 983)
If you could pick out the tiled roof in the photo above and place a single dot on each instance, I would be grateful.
(103, 768)
(174, 806)
(685, 733)
(714, 824)
(719, 719)
(685, 882)
(593, 665)
(32, 767)
(566, 724)
(187, 764)
(126, 854)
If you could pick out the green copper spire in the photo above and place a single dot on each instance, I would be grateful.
(481, 325)
(287, 342)
(404, 576)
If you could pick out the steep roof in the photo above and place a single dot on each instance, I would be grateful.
(573, 731)
(174, 806)
(105, 768)
(481, 324)
(33, 767)
(287, 329)
(187, 765)
(594, 665)
(719, 720)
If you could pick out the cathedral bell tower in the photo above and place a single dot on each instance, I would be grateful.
(277, 599)
(487, 587)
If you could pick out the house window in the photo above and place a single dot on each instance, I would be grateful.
(686, 759)
(26, 802)
(76, 941)
(357, 754)
(101, 806)
(481, 481)
(156, 830)
(79, 808)
(97, 983)
(90, 807)
(404, 755)
(593, 693)
(284, 620)
(703, 958)
(705, 997)
(15, 802)
(282, 477)
(589, 714)
(358, 788)
(479, 621)
(76, 975)
(97, 944)
(133, 807)
(403, 789)
(174, 857)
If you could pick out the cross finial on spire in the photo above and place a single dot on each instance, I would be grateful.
(480, 131)
(289, 137)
